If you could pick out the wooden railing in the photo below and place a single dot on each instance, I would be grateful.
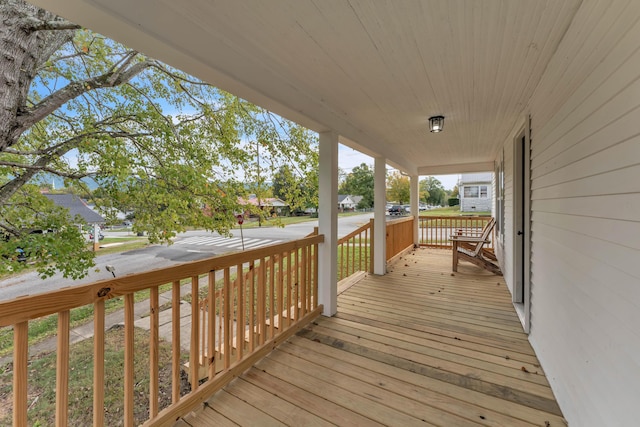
(273, 295)
(399, 236)
(434, 231)
(355, 251)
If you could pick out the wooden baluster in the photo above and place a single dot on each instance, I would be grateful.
(227, 318)
(62, 370)
(194, 356)
(220, 328)
(154, 352)
(211, 330)
(272, 299)
(20, 369)
(98, 363)
(315, 275)
(252, 307)
(240, 322)
(289, 281)
(309, 269)
(296, 285)
(175, 342)
(302, 282)
(280, 301)
(129, 362)
(262, 313)
(371, 245)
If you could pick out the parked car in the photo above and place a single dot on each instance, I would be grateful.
(100, 236)
(396, 210)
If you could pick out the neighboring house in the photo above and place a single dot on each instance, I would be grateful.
(475, 192)
(270, 204)
(76, 206)
(346, 202)
(356, 200)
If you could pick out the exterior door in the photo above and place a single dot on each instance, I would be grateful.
(521, 223)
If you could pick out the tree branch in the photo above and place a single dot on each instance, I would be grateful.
(45, 169)
(33, 24)
(52, 102)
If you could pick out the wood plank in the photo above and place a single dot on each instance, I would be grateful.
(456, 393)
(334, 392)
(449, 323)
(365, 370)
(273, 405)
(62, 369)
(303, 398)
(175, 341)
(415, 338)
(450, 362)
(208, 417)
(20, 370)
(376, 393)
(154, 352)
(460, 314)
(465, 379)
(129, 362)
(240, 412)
(98, 363)
(438, 338)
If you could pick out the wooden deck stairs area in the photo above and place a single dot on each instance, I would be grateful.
(418, 346)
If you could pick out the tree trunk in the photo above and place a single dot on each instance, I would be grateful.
(24, 48)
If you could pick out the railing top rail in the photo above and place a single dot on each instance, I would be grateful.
(34, 306)
(354, 233)
(465, 217)
(400, 220)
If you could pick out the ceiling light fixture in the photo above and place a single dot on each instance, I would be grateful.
(436, 123)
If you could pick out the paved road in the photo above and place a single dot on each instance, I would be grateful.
(189, 246)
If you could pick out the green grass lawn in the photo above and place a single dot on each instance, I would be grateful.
(42, 380)
(451, 211)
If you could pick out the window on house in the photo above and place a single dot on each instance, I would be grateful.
(471, 191)
(475, 191)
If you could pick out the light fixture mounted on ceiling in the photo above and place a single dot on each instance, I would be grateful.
(436, 123)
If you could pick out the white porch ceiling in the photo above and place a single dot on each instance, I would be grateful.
(371, 70)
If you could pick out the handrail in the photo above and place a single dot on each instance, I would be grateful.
(278, 293)
(435, 231)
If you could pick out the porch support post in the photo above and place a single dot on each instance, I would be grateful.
(380, 220)
(414, 197)
(328, 223)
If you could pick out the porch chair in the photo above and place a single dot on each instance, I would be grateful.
(471, 248)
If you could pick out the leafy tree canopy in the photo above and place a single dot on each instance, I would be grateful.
(168, 147)
(434, 189)
(298, 189)
(398, 188)
(359, 183)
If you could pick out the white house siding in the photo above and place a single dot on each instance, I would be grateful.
(585, 182)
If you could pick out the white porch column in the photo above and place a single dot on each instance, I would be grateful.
(379, 215)
(415, 211)
(328, 223)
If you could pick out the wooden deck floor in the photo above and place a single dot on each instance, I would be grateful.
(419, 346)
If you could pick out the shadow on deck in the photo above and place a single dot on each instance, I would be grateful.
(418, 346)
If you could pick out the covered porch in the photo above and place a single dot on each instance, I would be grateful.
(543, 93)
(418, 346)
